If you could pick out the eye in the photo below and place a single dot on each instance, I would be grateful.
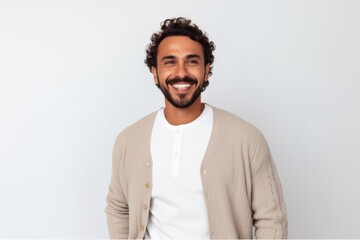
(193, 61)
(169, 62)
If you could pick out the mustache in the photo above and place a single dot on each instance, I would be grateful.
(185, 79)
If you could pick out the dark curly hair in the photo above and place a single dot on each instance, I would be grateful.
(179, 27)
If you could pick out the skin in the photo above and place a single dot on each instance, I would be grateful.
(180, 56)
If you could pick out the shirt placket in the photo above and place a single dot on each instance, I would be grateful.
(176, 153)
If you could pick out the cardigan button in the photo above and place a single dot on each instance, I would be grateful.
(147, 185)
(142, 228)
(147, 164)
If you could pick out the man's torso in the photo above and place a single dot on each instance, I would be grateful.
(178, 207)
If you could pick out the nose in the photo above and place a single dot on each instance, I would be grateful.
(181, 70)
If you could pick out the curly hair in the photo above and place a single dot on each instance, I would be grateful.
(179, 27)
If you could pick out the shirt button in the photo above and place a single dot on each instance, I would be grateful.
(147, 164)
(147, 185)
(145, 207)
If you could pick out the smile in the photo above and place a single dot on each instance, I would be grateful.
(181, 86)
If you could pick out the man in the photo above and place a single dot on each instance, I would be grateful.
(191, 170)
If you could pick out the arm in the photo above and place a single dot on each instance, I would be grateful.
(117, 209)
(269, 211)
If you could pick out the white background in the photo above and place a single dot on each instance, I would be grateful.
(72, 77)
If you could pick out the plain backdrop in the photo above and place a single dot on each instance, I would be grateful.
(72, 77)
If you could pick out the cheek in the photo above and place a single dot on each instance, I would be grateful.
(166, 74)
(199, 73)
(162, 76)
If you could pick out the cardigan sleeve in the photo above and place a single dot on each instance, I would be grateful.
(117, 208)
(269, 211)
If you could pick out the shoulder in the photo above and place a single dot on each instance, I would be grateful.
(230, 120)
(140, 129)
(235, 127)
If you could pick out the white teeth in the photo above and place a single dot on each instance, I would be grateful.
(181, 85)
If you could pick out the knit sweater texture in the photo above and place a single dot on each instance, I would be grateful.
(240, 183)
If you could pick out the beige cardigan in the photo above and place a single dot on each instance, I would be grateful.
(240, 183)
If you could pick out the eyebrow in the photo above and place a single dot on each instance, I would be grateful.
(167, 58)
(192, 56)
(173, 57)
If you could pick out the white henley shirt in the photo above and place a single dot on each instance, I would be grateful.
(178, 207)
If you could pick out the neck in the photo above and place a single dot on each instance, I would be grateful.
(177, 116)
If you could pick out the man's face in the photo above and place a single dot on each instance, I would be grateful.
(181, 70)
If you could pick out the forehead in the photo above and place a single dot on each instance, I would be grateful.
(179, 46)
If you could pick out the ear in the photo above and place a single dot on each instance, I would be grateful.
(207, 70)
(154, 73)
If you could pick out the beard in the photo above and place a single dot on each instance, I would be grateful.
(182, 101)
